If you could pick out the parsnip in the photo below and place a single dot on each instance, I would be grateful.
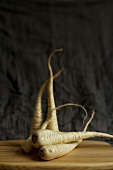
(49, 152)
(27, 145)
(37, 117)
(49, 137)
(53, 124)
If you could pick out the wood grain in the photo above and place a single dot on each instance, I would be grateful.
(89, 155)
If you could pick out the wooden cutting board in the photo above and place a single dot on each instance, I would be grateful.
(89, 155)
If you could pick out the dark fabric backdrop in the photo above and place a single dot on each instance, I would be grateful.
(29, 31)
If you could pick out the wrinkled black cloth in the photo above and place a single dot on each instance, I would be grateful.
(29, 31)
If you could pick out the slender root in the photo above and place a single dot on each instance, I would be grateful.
(53, 124)
(86, 126)
(45, 124)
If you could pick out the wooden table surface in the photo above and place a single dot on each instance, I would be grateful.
(88, 155)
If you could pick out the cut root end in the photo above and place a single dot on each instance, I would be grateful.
(34, 139)
(41, 153)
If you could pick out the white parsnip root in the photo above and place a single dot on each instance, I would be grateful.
(27, 145)
(53, 124)
(49, 137)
